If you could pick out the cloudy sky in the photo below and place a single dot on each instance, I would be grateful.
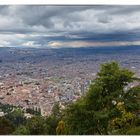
(69, 26)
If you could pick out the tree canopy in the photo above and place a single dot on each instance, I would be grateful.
(93, 112)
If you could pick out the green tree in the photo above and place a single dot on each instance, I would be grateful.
(6, 108)
(6, 127)
(61, 129)
(53, 119)
(51, 123)
(36, 125)
(93, 112)
(121, 124)
(56, 110)
(132, 99)
(79, 120)
(34, 111)
(21, 130)
(134, 131)
(16, 116)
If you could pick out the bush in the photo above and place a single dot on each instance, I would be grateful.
(36, 126)
(134, 131)
(6, 127)
(21, 130)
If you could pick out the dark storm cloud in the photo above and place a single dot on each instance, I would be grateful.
(40, 25)
(123, 10)
(50, 16)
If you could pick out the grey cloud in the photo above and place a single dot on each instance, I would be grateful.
(50, 23)
(123, 10)
(105, 19)
(63, 17)
(42, 15)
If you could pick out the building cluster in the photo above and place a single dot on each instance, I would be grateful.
(28, 92)
(37, 80)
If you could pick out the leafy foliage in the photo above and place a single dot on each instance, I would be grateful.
(53, 119)
(6, 127)
(121, 124)
(6, 108)
(36, 125)
(51, 123)
(61, 130)
(16, 116)
(99, 106)
(33, 112)
(21, 130)
(134, 131)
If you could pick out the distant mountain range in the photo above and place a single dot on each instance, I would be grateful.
(36, 55)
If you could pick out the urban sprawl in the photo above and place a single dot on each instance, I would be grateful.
(38, 78)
